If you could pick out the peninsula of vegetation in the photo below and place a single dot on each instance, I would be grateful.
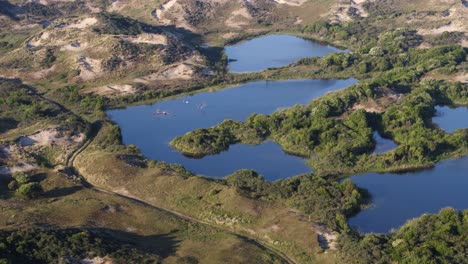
(72, 191)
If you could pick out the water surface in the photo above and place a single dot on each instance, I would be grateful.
(400, 197)
(451, 119)
(273, 51)
(152, 132)
(382, 144)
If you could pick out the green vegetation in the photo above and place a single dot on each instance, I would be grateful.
(24, 185)
(66, 223)
(41, 245)
(116, 24)
(286, 215)
(331, 132)
(21, 106)
(323, 201)
(439, 238)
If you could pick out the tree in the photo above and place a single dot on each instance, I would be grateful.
(21, 177)
(29, 190)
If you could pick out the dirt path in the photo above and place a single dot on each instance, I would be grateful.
(95, 127)
(250, 239)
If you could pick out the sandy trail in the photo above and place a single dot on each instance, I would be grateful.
(436, 31)
(291, 2)
(148, 39)
(112, 90)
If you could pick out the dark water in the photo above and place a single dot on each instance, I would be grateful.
(382, 144)
(152, 133)
(451, 119)
(400, 197)
(273, 51)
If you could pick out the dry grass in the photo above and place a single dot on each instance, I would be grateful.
(206, 200)
(67, 204)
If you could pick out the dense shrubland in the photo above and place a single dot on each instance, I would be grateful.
(330, 131)
(326, 202)
(437, 238)
(20, 106)
(49, 245)
(25, 185)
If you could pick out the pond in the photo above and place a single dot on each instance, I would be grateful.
(383, 145)
(451, 119)
(272, 51)
(398, 198)
(152, 127)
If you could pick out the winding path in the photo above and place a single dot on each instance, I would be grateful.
(95, 127)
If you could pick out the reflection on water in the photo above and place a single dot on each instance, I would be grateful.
(272, 51)
(400, 197)
(152, 127)
(451, 119)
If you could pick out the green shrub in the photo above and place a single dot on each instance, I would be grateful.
(29, 190)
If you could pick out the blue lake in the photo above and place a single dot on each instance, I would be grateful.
(152, 133)
(451, 119)
(273, 51)
(382, 144)
(396, 197)
(400, 197)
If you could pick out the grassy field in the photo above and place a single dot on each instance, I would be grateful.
(209, 201)
(162, 209)
(66, 204)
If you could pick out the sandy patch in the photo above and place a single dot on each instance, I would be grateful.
(291, 2)
(51, 137)
(89, 68)
(340, 12)
(229, 35)
(43, 73)
(298, 21)
(50, 2)
(370, 106)
(93, 9)
(163, 8)
(84, 23)
(425, 45)
(327, 240)
(148, 39)
(457, 77)
(38, 40)
(16, 160)
(462, 77)
(239, 18)
(173, 13)
(436, 31)
(22, 167)
(378, 105)
(123, 191)
(112, 90)
(181, 71)
(115, 6)
(275, 228)
(62, 141)
(74, 46)
(464, 43)
(97, 260)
